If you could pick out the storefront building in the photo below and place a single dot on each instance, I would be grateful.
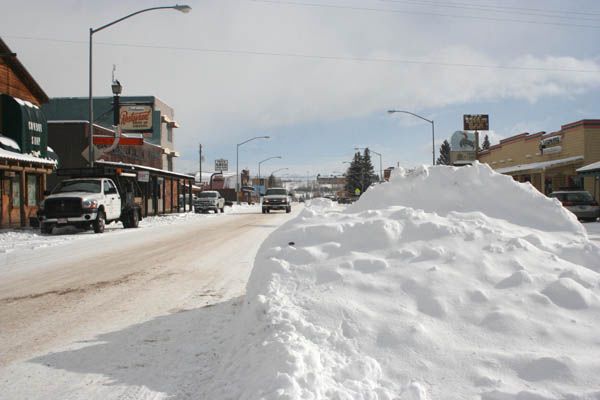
(24, 155)
(160, 126)
(549, 161)
(163, 191)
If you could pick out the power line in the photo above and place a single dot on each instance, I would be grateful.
(498, 9)
(312, 56)
(426, 13)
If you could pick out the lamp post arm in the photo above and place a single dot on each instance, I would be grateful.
(411, 113)
(92, 31)
(254, 138)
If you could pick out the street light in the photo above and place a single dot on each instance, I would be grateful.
(183, 8)
(260, 162)
(237, 158)
(380, 161)
(432, 129)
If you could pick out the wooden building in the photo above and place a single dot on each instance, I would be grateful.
(549, 160)
(24, 162)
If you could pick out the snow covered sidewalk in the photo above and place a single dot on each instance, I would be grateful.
(31, 239)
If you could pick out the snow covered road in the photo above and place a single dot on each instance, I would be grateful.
(64, 293)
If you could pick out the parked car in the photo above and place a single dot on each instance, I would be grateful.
(209, 200)
(579, 202)
(276, 199)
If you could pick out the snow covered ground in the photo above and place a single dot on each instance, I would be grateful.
(31, 239)
(441, 284)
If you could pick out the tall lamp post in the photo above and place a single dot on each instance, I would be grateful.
(432, 129)
(260, 162)
(182, 8)
(380, 161)
(237, 168)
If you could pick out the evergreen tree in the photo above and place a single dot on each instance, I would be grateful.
(486, 142)
(353, 175)
(272, 182)
(368, 176)
(444, 158)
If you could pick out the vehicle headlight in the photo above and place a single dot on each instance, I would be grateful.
(266, 201)
(90, 204)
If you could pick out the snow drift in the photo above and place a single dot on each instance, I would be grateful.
(445, 283)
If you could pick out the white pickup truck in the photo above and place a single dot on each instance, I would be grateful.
(209, 200)
(276, 199)
(84, 203)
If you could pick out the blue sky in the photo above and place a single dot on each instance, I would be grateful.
(318, 76)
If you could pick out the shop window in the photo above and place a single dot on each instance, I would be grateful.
(16, 192)
(32, 190)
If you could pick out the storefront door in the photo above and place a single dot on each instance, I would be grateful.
(11, 199)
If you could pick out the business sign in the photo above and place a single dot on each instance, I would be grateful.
(476, 122)
(221, 165)
(135, 118)
(143, 176)
(550, 145)
(463, 147)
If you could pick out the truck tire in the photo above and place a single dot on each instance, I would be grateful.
(288, 210)
(100, 223)
(46, 228)
(132, 220)
(135, 219)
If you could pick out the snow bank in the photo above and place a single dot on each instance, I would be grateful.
(443, 284)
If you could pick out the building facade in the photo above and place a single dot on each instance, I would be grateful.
(162, 119)
(24, 162)
(549, 161)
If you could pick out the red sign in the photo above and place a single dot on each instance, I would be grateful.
(123, 140)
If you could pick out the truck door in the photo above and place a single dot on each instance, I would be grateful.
(117, 201)
(113, 203)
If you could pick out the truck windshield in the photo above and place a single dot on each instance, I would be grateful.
(91, 186)
(204, 195)
(277, 192)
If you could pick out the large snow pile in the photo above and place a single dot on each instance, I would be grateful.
(444, 283)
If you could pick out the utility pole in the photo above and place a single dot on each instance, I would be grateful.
(200, 164)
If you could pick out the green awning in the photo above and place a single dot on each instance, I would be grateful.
(25, 123)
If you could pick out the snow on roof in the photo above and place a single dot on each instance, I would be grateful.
(589, 167)
(539, 165)
(10, 155)
(442, 283)
(143, 167)
(8, 142)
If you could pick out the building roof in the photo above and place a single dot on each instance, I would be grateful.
(144, 168)
(11, 155)
(539, 165)
(23, 74)
(589, 167)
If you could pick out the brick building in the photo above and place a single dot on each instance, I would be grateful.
(550, 160)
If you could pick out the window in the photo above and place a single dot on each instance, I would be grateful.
(32, 190)
(16, 192)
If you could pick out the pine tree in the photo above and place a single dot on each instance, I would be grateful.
(353, 175)
(368, 176)
(444, 158)
(486, 142)
(272, 182)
